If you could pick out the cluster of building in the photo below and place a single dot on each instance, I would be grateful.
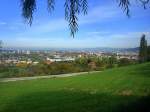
(130, 56)
(118, 55)
(60, 56)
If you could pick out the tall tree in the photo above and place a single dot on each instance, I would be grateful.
(143, 49)
(0, 50)
(148, 53)
(1, 44)
(73, 8)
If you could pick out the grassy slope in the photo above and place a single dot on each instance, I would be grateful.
(117, 90)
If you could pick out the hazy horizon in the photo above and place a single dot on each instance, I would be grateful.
(65, 48)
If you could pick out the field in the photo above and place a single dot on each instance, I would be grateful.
(125, 89)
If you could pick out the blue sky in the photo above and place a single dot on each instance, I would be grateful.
(105, 26)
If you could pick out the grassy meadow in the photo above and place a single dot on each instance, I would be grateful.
(125, 89)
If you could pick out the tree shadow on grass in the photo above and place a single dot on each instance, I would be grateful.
(72, 101)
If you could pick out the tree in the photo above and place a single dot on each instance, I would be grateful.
(73, 8)
(82, 61)
(112, 61)
(124, 62)
(1, 45)
(143, 49)
(1, 50)
(148, 53)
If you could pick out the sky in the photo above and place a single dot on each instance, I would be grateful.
(106, 25)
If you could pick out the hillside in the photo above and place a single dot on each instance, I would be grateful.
(125, 89)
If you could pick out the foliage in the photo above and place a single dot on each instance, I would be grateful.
(143, 49)
(83, 62)
(148, 53)
(125, 62)
(24, 69)
(1, 43)
(73, 8)
(79, 65)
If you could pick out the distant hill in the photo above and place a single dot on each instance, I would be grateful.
(97, 49)
(105, 49)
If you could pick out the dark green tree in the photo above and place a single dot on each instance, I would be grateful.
(73, 8)
(1, 45)
(148, 53)
(124, 62)
(112, 61)
(143, 49)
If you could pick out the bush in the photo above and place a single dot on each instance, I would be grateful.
(124, 62)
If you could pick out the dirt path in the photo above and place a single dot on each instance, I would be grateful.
(41, 77)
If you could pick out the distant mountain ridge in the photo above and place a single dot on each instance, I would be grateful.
(115, 49)
(97, 49)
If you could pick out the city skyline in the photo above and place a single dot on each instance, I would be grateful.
(105, 26)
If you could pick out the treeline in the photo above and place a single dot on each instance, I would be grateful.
(79, 65)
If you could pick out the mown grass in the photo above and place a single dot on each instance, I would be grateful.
(125, 89)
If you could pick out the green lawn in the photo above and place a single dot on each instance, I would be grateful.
(125, 89)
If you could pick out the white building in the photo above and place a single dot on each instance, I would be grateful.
(60, 59)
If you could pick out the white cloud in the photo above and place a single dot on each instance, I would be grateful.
(93, 33)
(97, 14)
(45, 27)
(3, 23)
(53, 25)
(121, 40)
(101, 14)
(132, 35)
